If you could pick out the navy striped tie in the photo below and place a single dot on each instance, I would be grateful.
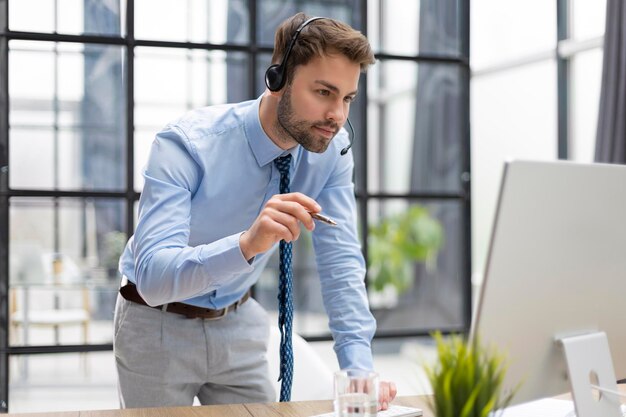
(285, 296)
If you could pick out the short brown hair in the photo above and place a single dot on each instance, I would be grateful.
(321, 37)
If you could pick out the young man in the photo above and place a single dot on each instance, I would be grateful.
(211, 213)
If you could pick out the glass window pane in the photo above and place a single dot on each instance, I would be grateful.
(63, 269)
(273, 12)
(513, 116)
(215, 21)
(74, 17)
(415, 272)
(586, 73)
(358, 111)
(500, 31)
(415, 128)
(185, 79)
(22, 159)
(588, 18)
(62, 382)
(412, 27)
(67, 101)
(263, 62)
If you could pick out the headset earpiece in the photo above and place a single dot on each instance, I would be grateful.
(275, 77)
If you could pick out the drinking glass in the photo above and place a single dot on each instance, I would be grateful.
(356, 393)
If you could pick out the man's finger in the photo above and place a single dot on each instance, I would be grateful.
(392, 391)
(287, 220)
(294, 209)
(384, 396)
(304, 200)
(278, 229)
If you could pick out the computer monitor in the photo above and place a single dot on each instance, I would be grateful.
(556, 267)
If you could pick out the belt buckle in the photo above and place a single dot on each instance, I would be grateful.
(225, 310)
(221, 316)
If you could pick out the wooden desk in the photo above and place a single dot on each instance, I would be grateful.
(293, 409)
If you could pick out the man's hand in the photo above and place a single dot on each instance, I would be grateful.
(280, 219)
(387, 392)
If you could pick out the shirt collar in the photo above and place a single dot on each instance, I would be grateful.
(263, 148)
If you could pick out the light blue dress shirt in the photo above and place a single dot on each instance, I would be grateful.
(208, 176)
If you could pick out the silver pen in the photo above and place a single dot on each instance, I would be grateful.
(323, 218)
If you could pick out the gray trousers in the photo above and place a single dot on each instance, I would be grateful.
(166, 359)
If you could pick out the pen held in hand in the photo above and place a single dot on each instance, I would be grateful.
(323, 218)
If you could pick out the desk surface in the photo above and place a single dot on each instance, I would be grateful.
(292, 409)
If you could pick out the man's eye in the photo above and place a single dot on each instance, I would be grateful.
(349, 99)
(323, 92)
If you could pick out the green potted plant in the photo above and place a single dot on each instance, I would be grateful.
(114, 243)
(466, 379)
(399, 241)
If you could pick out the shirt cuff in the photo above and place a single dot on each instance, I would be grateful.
(226, 258)
(355, 357)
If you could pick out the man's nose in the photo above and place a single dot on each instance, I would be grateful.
(337, 112)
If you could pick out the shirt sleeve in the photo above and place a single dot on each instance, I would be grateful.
(342, 271)
(167, 269)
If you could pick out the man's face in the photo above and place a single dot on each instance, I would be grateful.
(315, 105)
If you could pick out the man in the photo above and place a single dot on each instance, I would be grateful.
(211, 213)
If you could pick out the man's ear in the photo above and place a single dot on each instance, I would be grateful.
(276, 94)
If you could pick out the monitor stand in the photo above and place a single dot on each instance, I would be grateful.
(589, 363)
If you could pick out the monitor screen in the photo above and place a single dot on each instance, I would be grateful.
(556, 267)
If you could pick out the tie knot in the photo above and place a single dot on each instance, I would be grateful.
(283, 163)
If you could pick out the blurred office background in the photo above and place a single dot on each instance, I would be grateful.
(85, 85)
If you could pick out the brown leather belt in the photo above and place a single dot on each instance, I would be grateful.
(129, 292)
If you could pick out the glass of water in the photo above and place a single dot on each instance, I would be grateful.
(356, 393)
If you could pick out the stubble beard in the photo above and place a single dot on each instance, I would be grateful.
(290, 127)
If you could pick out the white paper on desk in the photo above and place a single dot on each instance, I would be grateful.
(548, 407)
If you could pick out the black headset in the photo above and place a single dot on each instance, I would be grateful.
(276, 74)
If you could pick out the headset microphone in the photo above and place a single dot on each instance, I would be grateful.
(351, 136)
(276, 74)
